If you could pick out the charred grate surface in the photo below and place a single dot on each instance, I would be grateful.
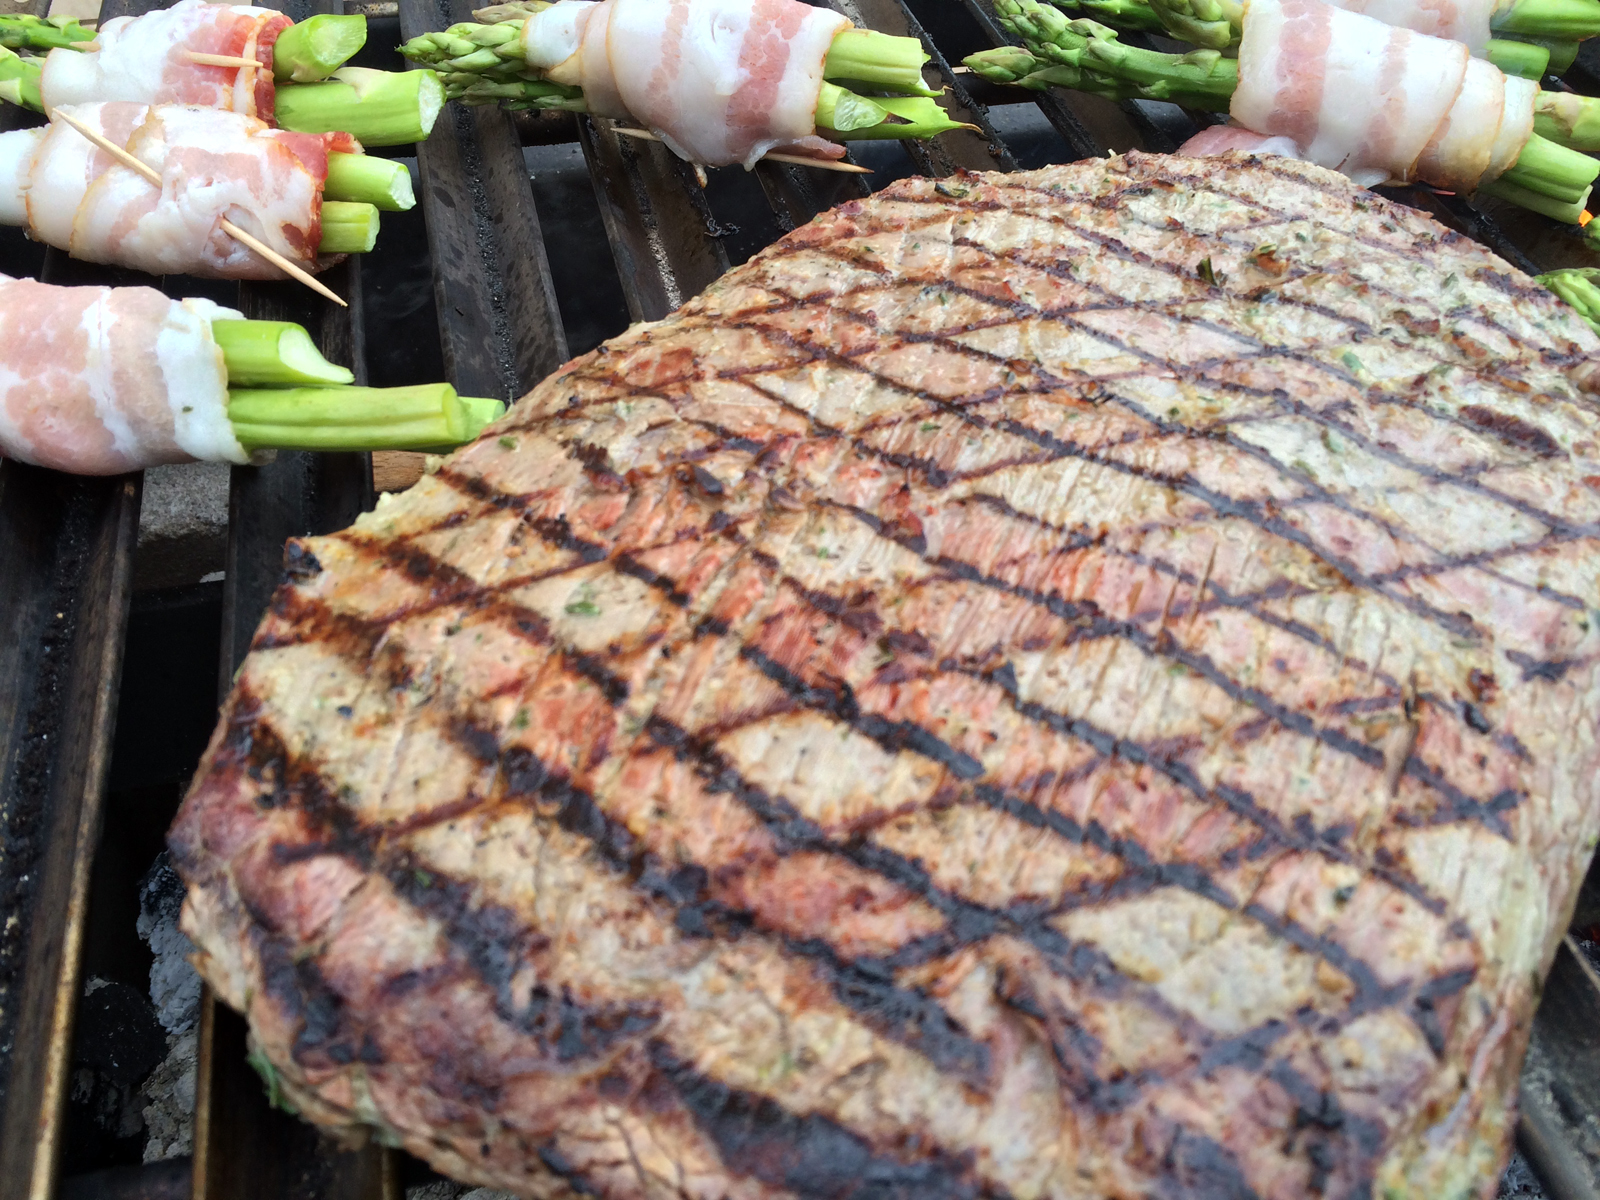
(938, 695)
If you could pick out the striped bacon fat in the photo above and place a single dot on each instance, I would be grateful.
(145, 59)
(99, 380)
(1374, 101)
(214, 165)
(1465, 21)
(719, 81)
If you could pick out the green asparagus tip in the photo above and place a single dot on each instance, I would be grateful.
(21, 31)
(1004, 64)
(516, 11)
(19, 80)
(1578, 287)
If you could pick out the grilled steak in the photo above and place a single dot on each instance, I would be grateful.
(1069, 684)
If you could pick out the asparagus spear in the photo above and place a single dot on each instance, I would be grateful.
(377, 108)
(1547, 177)
(284, 395)
(1578, 287)
(422, 417)
(19, 80)
(19, 31)
(273, 354)
(1527, 59)
(348, 228)
(368, 179)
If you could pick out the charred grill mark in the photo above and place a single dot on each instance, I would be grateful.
(498, 946)
(969, 922)
(899, 1013)
(809, 1155)
(304, 996)
(1459, 622)
(1545, 670)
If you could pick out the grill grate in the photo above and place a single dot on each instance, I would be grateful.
(510, 299)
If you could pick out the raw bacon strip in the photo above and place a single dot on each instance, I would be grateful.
(1461, 147)
(719, 81)
(214, 165)
(1362, 97)
(1465, 21)
(144, 59)
(1219, 139)
(99, 380)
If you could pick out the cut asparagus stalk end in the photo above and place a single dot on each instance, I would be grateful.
(273, 354)
(1568, 119)
(348, 228)
(1553, 171)
(377, 108)
(423, 417)
(366, 179)
(878, 60)
(315, 48)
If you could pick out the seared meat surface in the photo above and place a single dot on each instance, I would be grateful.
(1068, 684)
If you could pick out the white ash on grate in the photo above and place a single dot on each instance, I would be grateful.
(168, 1091)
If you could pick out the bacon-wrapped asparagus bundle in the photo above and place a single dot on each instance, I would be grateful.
(214, 166)
(719, 81)
(100, 380)
(1534, 36)
(1347, 91)
(199, 52)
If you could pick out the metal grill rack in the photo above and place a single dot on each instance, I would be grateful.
(528, 261)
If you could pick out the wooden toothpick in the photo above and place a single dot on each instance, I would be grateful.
(222, 60)
(802, 160)
(228, 227)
